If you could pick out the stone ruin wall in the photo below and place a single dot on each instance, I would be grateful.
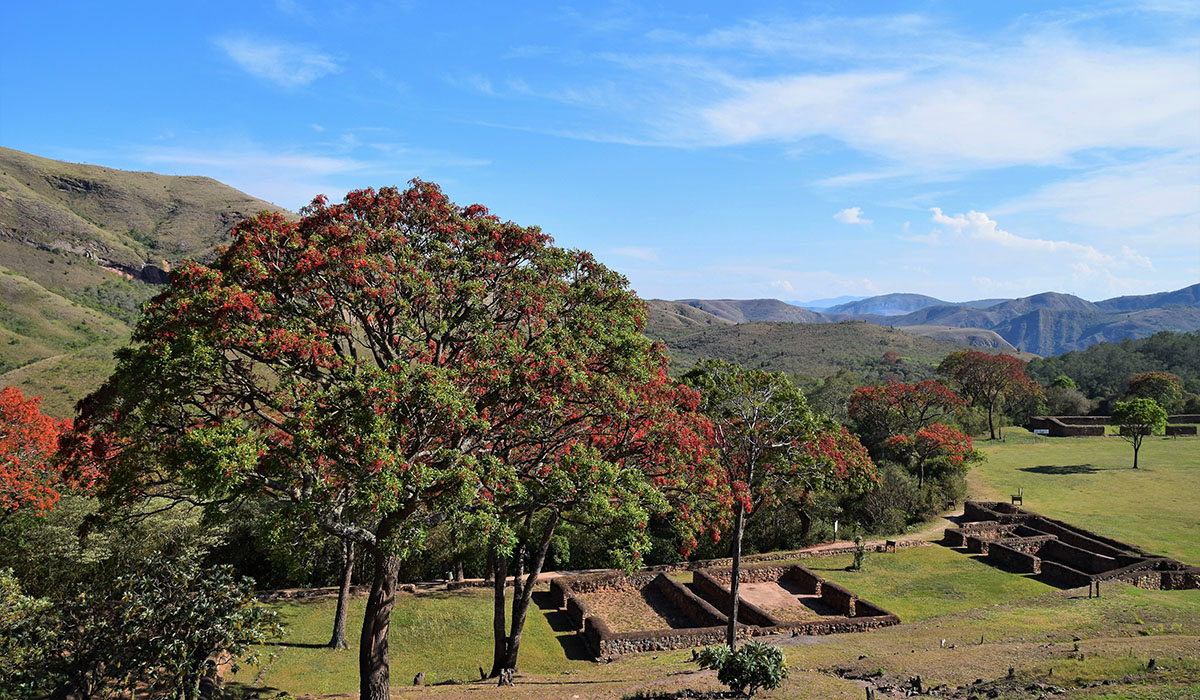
(711, 620)
(1025, 542)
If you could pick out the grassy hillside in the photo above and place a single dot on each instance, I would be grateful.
(817, 350)
(125, 219)
(751, 310)
(81, 249)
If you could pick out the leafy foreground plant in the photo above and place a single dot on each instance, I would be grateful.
(754, 666)
(154, 626)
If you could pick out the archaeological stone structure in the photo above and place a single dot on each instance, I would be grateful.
(1025, 542)
(773, 598)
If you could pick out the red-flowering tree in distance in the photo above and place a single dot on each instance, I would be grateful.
(768, 444)
(381, 356)
(935, 447)
(883, 412)
(989, 380)
(30, 479)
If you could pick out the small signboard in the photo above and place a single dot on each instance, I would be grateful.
(1041, 431)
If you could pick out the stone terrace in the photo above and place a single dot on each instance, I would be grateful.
(800, 602)
(1025, 542)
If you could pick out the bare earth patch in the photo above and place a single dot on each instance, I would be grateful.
(785, 601)
(631, 610)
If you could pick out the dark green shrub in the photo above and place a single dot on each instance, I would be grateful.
(754, 666)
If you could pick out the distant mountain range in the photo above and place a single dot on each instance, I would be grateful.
(81, 247)
(1042, 324)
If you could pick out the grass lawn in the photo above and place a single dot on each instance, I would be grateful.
(447, 635)
(925, 582)
(937, 592)
(1089, 482)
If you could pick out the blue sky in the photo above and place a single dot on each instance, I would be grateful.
(705, 149)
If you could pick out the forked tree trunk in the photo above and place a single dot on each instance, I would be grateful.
(338, 640)
(523, 594)
(373, 647)
(735, 574)
(499, 639)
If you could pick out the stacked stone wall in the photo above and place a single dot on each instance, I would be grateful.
(1013, 560)
(708, 588)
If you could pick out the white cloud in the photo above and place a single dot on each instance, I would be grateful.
(1159, 194)
(853, 215)
(785, 285)
(1038, 102)
(288, 65)
(291, 176)
(978, 226)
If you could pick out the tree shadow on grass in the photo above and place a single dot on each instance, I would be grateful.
(1061, 469)
(302, 645)
(572, 644)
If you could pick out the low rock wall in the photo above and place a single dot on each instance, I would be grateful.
(1076, 558)
(807, 580)
(721, 598)
(1028, 545)
(1013, 560)
(577, 611)
(1077, 537)
(838, 598)
(589, 583)
(1064, 575)
(1180, 430)
(698, 610)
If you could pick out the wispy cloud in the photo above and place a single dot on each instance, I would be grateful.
(292, 175)
(1036, 103)
(285, 64)
(784, 285)
(853, 215)
(1159, 195)
(978, 226)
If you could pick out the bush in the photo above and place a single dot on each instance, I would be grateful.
(753, 667)
(153, 625)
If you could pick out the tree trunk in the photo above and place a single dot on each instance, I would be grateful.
(991, 425)
(338, 640)
(499, 638)
(1137, 445)
(735, 574)
(521, 601)
(805, 525)
(458, 570)
(373, 646)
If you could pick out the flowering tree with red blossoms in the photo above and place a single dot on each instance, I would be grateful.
(30, 479)
(881, 413)
(989, 380)
(387, 355)
(936, 447)
(770, 445)
(604, 458)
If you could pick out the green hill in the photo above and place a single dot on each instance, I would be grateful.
(812, 349)
(81, 249)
